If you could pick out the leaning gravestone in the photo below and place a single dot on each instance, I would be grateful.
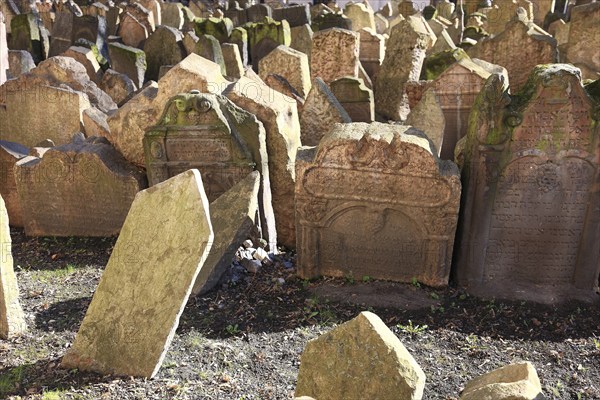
(135, 310)
(290, 64)
(355, 97)
(404, 56)
(20, 119)
(279, 115)
(531, 204)
(83, 188)
(373, 199)
(362, 357)
(516, 42)
(163, 47)
(194, 133)
(584, 40)
(334, 54)
(12, 319)
(129, 61)
(222, 141)
(320, 112)
(25, 35)
(10, 154)
(233, 218)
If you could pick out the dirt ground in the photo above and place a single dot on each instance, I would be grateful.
(244, 339)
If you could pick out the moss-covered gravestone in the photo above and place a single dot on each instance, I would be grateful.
(219, 28)
(265, 36)
(129, 61)
(210, 133)
(25, 35)
(531, 208)
(135, 310)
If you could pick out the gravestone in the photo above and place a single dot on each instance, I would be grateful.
(20, 62)
(428, 117)
(302, 39)
(86, 58)
(92, 29)
(531, 205)
(10, 153)
(456, 89)
(129, 123)
(135, 310)
(132, 32)
(445, 9)
(12, 319)
(83, 188)
(21, 121)
(193, 132)
(233, 60)
(532, 50)
(330, 20)
(355, 97)
(172, 15)
(360, 356)
(257, 12)
(239, 37)
(25, 35)
(361, 16)
(289, 64)
(163, 47)
(372, 51)
(220, 29)
(279, 115)
(144, 16)
(335, 54)
(408, 8)
(117, 85)
(59, 72)
(156, 8)
(209, 47)
(382, 25)
(504, 11)
(61, 33)
(263, 37)
(404, 56)
(129, 61)
(233, 217)
(517, 381)
(373, 199)
(320, 112)
(4, 66)
(296, 15)
(584, 40)
(236, 14)
(209, 133)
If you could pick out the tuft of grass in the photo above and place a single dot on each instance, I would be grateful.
(232, 329)
(50, 275)
(11, 380)
(412, 329)
(53, 395)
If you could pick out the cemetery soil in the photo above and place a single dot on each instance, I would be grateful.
(244, 340)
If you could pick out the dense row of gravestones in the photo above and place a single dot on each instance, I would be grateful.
(376, 176)
(381, 150)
